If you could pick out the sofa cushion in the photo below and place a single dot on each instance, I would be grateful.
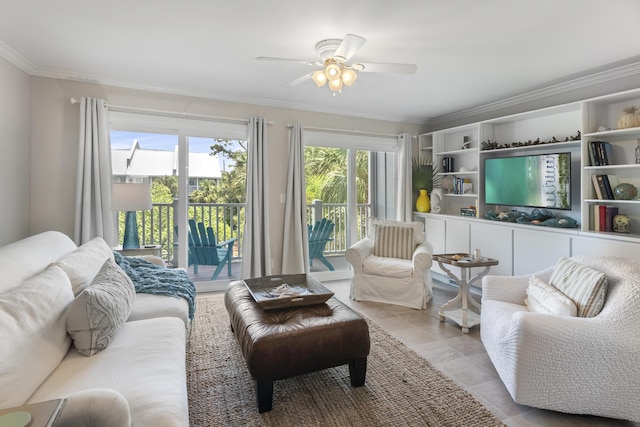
(585, 286)
(418, 227)
(83, 264)
(98, 313)
(145, 362)
(25, 258)
(33, 336)
(544, 298)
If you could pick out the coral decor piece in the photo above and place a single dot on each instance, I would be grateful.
(631, 118)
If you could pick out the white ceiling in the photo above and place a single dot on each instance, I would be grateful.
(468, 52)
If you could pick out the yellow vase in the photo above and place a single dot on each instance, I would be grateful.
(423, 204)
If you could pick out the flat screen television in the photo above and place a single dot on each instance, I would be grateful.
(539, 181)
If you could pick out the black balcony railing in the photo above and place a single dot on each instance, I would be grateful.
(157, 226)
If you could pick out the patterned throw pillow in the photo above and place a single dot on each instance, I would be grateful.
(544, 298)
(585, 286)
(99, 311)
(392, 241)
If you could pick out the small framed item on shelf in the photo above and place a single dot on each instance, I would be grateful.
(470, 211)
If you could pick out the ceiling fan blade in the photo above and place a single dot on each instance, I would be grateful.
(297, 81)
(349, 46)
(271, 58)
(378, 67)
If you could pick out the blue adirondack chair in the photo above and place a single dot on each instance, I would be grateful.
(319, 235)
(203, 249)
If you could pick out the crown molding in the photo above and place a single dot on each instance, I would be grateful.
(600, 77)
(16, 59)
(62, 75)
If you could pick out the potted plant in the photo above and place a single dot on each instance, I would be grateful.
(425, 177)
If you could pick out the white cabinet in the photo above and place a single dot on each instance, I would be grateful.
(494, 241)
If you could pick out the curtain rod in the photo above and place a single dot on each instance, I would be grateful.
(348, 131)
(125, 109)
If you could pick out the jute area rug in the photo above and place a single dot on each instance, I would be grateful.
(401, 388)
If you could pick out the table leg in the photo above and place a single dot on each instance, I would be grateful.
(453, 301)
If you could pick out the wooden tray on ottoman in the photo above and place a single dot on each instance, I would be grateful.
(271, 292)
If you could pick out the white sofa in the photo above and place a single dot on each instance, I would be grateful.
(391, 279)
(581, 365)
(139, 379)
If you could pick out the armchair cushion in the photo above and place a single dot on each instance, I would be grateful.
(585, 286)
(392, 241)
(544, 298)
(387, 267)
(418, 227)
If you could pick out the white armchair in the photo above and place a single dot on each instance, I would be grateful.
(580, 365)
(404, 278)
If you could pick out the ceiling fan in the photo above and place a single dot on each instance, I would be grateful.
(336, 70)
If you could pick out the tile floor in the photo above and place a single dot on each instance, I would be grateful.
(461, 356)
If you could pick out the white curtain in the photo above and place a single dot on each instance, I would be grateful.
(295, 245)
(256, 253)
(404, 197)
(93, 214)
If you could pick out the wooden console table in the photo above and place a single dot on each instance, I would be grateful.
(463, 316)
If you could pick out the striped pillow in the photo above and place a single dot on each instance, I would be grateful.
(544, 298)
(392, 241)
(585, 286)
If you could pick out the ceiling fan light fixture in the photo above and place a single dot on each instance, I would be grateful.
(332, 71)
(319, 78)
(335, 85)
(358, 67)
(349, 76)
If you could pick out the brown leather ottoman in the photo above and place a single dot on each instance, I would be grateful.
(282, 343)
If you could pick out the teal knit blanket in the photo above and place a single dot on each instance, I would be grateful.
(149, 278)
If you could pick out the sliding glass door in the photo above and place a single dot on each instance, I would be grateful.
(195, 176)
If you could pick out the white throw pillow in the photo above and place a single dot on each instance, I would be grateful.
(418, 227)
(33, 335)
(83, 264)
(585, 286)
(544, 298)
(98, 313)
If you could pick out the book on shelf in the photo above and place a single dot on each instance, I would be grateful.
(600, 153)
(610, 212)
(607, 187)
(602, 218)
(596, 186)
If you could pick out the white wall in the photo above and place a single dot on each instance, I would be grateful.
(54, 127)
(14, 153)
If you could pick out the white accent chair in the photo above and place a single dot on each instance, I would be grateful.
(406, 282)
(568, 364)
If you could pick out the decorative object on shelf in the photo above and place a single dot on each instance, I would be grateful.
(638, 152)
(625, 191)
(621, 223)
(447, 183)
(423, 203)
(543, 217)
(488, 145)
(467, 186)
(435, 198)
(470, 211)
(631, 118)
(603, 129)
(424, 174)
(466, 142)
